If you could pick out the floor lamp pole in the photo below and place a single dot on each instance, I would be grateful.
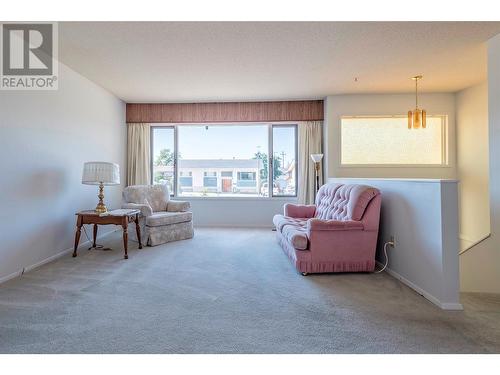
(316, 158)
(316, 170)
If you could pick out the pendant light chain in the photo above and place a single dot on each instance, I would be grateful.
(416, 93)
(416, 117)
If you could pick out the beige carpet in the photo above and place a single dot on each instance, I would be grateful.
(227, 291)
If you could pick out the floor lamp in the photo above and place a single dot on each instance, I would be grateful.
(316, 158)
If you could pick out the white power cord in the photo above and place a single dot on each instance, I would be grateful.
(388, 243)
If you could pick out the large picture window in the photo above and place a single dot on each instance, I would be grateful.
(386, 141)
(213, 160)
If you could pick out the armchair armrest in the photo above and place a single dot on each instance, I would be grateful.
(333, 225)
(178, 206)
(299, 210)
(146, 209)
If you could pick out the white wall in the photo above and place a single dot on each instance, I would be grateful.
(45, 137)
(337, 106)
(472, 163)
(480, 267)
(422, 217)
(236, 212)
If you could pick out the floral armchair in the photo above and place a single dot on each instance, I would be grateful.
(162, 219)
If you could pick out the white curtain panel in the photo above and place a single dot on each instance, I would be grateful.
(138, 154)
(310, 142)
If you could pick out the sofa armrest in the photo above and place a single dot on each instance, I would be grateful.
(146, 209)
(178, 206)
(299, 210)
(333, 225)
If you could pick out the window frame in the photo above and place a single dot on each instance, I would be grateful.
(445, 158)
(270, 151)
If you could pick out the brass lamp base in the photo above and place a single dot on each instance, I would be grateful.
(101, 207)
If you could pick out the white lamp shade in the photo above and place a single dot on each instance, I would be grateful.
(96, 172)
(316, 157)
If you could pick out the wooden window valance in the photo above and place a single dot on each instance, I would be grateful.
(304, 110)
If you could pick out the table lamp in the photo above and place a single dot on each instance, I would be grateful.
(101, 173)
(316, 158)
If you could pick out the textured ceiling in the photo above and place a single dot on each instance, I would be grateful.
(200, 61)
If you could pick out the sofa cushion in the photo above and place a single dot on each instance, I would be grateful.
(280, 220)
(343, 202)
(296, 234)
(328, 204)
(293, 230)
(167, 218)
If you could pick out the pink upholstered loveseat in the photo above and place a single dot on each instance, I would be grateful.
(338, 234)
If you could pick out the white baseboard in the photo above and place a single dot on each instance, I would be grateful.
(11, 276)
(452, 306)
(49, 259)
(423, 293)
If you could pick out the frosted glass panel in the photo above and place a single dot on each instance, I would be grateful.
(388, 140)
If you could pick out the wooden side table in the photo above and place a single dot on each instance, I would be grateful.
(123, 218)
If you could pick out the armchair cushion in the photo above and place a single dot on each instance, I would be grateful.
(145, 208)
(178, 206)
(157, 196)
(159, 219)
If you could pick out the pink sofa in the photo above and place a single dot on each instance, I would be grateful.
(338, 234)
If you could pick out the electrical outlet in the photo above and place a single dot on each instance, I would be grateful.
(393, 240)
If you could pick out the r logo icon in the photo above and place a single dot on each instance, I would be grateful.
(27, 49)
(29, 53)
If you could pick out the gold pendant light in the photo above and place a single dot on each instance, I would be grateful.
(416, 117)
